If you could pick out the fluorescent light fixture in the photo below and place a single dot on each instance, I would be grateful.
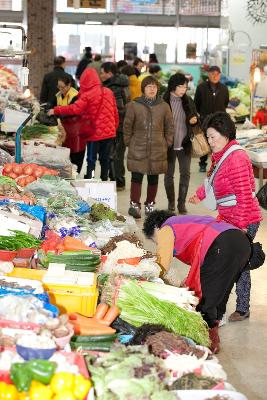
(93, 23)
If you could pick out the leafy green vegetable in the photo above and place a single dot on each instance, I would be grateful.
(129, 373)
(100, 211)
(138, 307)
(6, 180)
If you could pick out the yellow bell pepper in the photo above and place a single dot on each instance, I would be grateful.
(39, 391)
(62, 381)
(8, 392)
(64, 395)
(81, 387)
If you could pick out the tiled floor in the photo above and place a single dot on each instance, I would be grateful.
(244, 344)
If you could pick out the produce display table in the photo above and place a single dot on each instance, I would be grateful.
(261, 168)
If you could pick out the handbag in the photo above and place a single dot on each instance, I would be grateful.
(262, 196)
(210, 200)
(257, 256)
(200, 146)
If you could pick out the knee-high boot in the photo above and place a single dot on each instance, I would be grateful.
(181, 199)
(171, 197)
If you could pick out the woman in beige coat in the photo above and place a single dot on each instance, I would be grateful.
(148, 133)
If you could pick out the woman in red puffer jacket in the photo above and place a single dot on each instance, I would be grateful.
(234, 177)
(99, 115)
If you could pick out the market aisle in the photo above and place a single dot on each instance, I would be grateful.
(244, 352)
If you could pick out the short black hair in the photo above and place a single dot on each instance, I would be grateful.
(59, 60)
(121, 64)
(176, 80)
(149, 80)
(109, 67)
(137, 60)
(154, 68)
(97, 57)
(222, 123)
(128, 70)
(155, 220)
(66, 79)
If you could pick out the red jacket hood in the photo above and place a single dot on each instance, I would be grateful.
(89, 79)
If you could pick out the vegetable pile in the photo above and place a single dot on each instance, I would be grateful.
(18, 240)
(128, 373)
(139, 307)
(80, 260)
(24, 174)
(10, 190)
(192, 381)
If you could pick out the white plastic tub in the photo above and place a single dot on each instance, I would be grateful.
(206, 394)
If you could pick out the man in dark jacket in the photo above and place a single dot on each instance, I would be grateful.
(50, 81)
(211, 96)
(117, 83)
(86, 59)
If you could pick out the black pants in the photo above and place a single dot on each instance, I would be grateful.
(102, 148)
(223, 264)
(77, 159)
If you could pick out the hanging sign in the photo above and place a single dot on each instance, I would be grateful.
(87, 3)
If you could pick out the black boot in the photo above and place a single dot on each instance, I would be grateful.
(171, 197)
(89, 173)
(181, 199)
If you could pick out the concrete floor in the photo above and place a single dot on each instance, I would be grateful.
(244, 350)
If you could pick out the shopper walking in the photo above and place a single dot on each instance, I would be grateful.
(234, 190)
(85, 61)
(71, 124)
(184, 117)
(138, 65)
(97, 107)
(148, 132)
(216, 252)
(50, 81)
(210, 96)
(117, 83)
(134, 82)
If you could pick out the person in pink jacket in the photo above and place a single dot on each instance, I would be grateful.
(234, 178)
(99, 117)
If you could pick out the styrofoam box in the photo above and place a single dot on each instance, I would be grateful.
(260, 157)
(205, 394)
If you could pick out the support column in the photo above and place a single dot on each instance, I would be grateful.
(40, 20)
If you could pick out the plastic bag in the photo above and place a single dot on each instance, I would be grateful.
(5, 157)
(45, 119)
(262, 196)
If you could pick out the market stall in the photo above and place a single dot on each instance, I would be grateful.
(84, 313)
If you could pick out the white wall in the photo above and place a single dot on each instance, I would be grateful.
(240, 55)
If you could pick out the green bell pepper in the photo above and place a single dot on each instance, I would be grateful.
(41, 370)
(21, 376)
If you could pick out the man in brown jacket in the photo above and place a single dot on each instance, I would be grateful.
(148, 133)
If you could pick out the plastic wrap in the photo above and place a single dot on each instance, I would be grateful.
(5, 157)
(50, 157)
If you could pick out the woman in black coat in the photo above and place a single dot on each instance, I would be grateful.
(184, 117)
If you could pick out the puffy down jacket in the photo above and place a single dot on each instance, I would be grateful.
(97, 107)
(235, 176)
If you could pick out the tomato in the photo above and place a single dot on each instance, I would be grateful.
(21, 182)
(18, 169)
(29, 179)
(28, 170)
(12, 175)
(38, 172)
(8, 168)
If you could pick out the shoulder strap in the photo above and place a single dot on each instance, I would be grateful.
(226, 154)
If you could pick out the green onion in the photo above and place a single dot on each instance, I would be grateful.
(138, 308)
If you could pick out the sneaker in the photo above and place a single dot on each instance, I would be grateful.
(134, 210)
(238, 316)
(222, 321)
(202, 168)
(149, 207)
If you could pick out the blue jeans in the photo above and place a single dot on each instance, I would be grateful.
(243, 285)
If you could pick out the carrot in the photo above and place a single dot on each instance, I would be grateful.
(87, 331)
(101, 311)
(110, 316)
(71, 243)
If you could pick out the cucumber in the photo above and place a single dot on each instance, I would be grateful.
(94, 339)
(92, 346)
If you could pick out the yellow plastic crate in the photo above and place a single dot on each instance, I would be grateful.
(68, 298)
